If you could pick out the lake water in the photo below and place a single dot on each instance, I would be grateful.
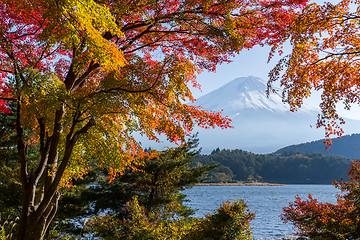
(266, 201)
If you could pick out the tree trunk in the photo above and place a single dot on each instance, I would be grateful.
(34, 228)
(40, 187)
(40, 194)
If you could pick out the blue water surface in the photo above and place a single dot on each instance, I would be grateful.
(266, 201)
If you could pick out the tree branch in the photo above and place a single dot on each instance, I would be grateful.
(83, 77)
(21, 145)
(8, 99)
(7, 71)
(44, 151)
(133, 90)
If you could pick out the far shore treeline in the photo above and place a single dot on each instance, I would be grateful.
(283, 168)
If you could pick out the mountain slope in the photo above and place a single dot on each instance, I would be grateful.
(346, 146)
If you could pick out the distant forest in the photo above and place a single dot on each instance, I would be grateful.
(346, 146)
(287, 168)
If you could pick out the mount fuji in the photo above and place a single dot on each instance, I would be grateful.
(245, 95)
(261, 124)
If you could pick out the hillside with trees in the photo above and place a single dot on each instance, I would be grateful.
(346, 146)
(296, 168)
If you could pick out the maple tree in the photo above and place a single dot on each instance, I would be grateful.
(85, 75)
(324, 57)
(317, 220)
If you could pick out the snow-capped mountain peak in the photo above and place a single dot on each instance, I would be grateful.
(245, 94)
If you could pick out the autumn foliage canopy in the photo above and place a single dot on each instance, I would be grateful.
(324, 57)
(114, 68)
(86, 75)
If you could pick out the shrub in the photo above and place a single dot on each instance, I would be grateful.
(231, 221)
(316, 220)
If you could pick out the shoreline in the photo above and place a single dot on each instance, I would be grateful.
(240, 184)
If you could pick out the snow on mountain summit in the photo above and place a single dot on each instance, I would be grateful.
(245, 94)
